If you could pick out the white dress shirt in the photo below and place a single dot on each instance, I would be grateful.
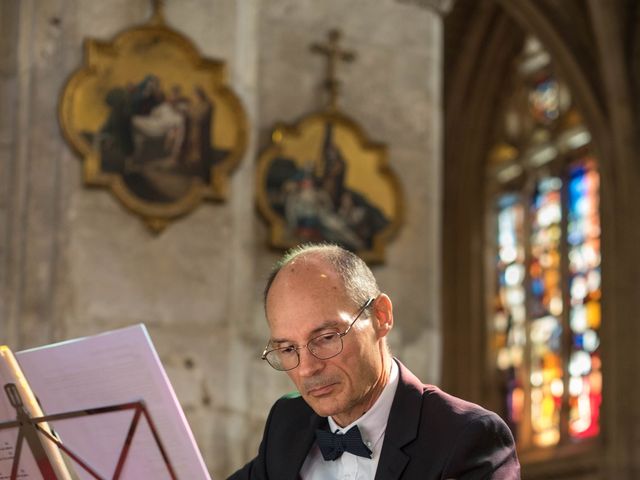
(372, 426)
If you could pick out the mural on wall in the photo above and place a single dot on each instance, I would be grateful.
(322, 179)
(154, 121)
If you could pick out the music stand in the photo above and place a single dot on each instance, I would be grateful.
(28, 428)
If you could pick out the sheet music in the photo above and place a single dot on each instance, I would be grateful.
(114, 368)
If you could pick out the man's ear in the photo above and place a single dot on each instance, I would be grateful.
(382, 315)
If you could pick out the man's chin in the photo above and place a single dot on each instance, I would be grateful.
(324, 407)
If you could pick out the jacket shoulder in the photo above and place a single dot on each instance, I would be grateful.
(439, 415)
(289, 414)
(434, 397)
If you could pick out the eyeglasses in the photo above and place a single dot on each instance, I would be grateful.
(323, 347)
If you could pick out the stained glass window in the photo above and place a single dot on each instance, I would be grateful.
(509, 318)
(585, 381)
(546, 308)
(545, 316)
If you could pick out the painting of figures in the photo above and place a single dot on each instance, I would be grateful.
(321, 181)
(154, 122)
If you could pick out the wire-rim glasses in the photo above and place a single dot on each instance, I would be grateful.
(323, 347)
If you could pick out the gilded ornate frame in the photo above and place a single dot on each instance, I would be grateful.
(367, 178)
(159, 55)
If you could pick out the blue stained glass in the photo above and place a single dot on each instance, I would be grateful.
(576, 230)
(584, 285)
(550, 183)
(537, 287)
(577, 186)
(544, 100)
(505, 201)
(555, 339)
(576, 200)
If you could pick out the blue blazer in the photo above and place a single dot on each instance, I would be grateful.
(430, 435)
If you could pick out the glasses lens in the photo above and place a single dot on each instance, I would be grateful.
(283, 358)
(326, 346)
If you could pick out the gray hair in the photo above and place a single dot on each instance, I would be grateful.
(359, 283)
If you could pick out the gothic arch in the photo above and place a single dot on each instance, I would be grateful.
(592, 44)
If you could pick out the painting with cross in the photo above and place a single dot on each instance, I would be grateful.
(323, 179)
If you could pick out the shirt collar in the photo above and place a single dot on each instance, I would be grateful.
(374, 422)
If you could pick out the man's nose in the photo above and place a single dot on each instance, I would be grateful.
(309, 364)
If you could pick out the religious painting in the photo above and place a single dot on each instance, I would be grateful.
(323, 180)
(154, 121)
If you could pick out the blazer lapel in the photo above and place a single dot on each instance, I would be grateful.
(402, 426)
(301, 444)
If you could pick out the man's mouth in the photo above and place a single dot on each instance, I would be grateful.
(321, 391)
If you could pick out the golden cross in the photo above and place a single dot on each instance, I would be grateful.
(157, 14)
(333, 53)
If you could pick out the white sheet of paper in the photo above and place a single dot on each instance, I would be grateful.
(114, 368)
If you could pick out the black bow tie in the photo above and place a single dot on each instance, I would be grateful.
(333, 445)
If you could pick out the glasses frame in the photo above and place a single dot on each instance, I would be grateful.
(297, 349)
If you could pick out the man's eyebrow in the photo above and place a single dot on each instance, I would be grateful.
(329, 324)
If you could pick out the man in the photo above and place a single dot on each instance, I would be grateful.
(360, 413)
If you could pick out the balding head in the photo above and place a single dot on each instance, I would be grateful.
(356, 278)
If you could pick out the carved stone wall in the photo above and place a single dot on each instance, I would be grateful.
(73, 262)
